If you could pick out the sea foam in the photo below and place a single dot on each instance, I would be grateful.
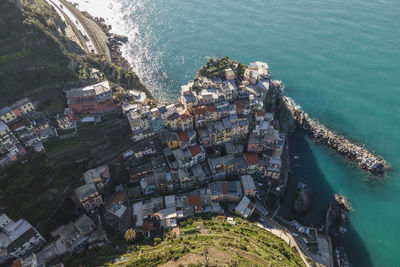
(118, 14)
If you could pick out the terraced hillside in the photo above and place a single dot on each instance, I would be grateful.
(200, 241)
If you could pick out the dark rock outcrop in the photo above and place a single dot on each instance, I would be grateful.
(303, 200)
(343, 201)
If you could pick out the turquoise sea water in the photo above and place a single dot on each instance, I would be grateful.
(338, 59)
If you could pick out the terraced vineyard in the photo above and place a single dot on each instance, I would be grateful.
(202, 241)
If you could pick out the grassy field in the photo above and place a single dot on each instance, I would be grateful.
(202, 241)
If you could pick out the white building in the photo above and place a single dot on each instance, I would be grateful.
(17, 238)
(245, 208)
(249, 188)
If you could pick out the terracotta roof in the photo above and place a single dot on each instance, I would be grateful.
(17, 263)
(240, 104)
(195, 201)
(225, 188)
(195, 150)
(251, 158)
(199, 110)
(147, 226)
(18, 125)
(211, 108)
(260, 113)
(183, 137)
(185, 115)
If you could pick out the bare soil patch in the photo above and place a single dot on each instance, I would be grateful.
(185, 260)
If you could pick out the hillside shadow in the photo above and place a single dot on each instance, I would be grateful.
(33, 55)
(306, 169)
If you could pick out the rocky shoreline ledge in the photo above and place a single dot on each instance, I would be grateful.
(114, 44)
(359, 154)
(115, 41)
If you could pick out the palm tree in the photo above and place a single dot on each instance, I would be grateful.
(130, 235)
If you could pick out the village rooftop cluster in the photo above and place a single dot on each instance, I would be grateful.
(22, 128)
(206, 154)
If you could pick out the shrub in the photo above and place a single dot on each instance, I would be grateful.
(157, 240)
(130, 235)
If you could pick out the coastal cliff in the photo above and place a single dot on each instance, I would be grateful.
(49, 56)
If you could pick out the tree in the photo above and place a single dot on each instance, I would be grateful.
(119, 95)
(130, 235)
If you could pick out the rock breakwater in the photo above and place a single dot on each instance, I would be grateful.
(359, 154)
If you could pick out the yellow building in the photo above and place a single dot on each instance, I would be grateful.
(6, 115)
(19, 108)
(172, 140)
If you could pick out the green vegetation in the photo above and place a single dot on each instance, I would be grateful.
(33, 189)
(215, 67)
(14, 56)
(96, 142)
(56, 145)
(242, 68)
(118, 75)
(130, 235)
(205, 241)
(38, 50)
(196, 87)
(119, 94)
(34, 50)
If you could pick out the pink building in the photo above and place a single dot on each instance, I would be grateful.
(92, 99)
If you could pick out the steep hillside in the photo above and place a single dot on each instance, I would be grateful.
(38, 60)
(202, 241)
(33, 54)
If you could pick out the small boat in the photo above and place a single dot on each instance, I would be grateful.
(342, 229)
(296, 157)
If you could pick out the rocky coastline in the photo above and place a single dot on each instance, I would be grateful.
(367, 160)
(115, 41)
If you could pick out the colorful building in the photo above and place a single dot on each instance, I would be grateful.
(16, 110)
(157, 124)
(92, 99)
(172, 140)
